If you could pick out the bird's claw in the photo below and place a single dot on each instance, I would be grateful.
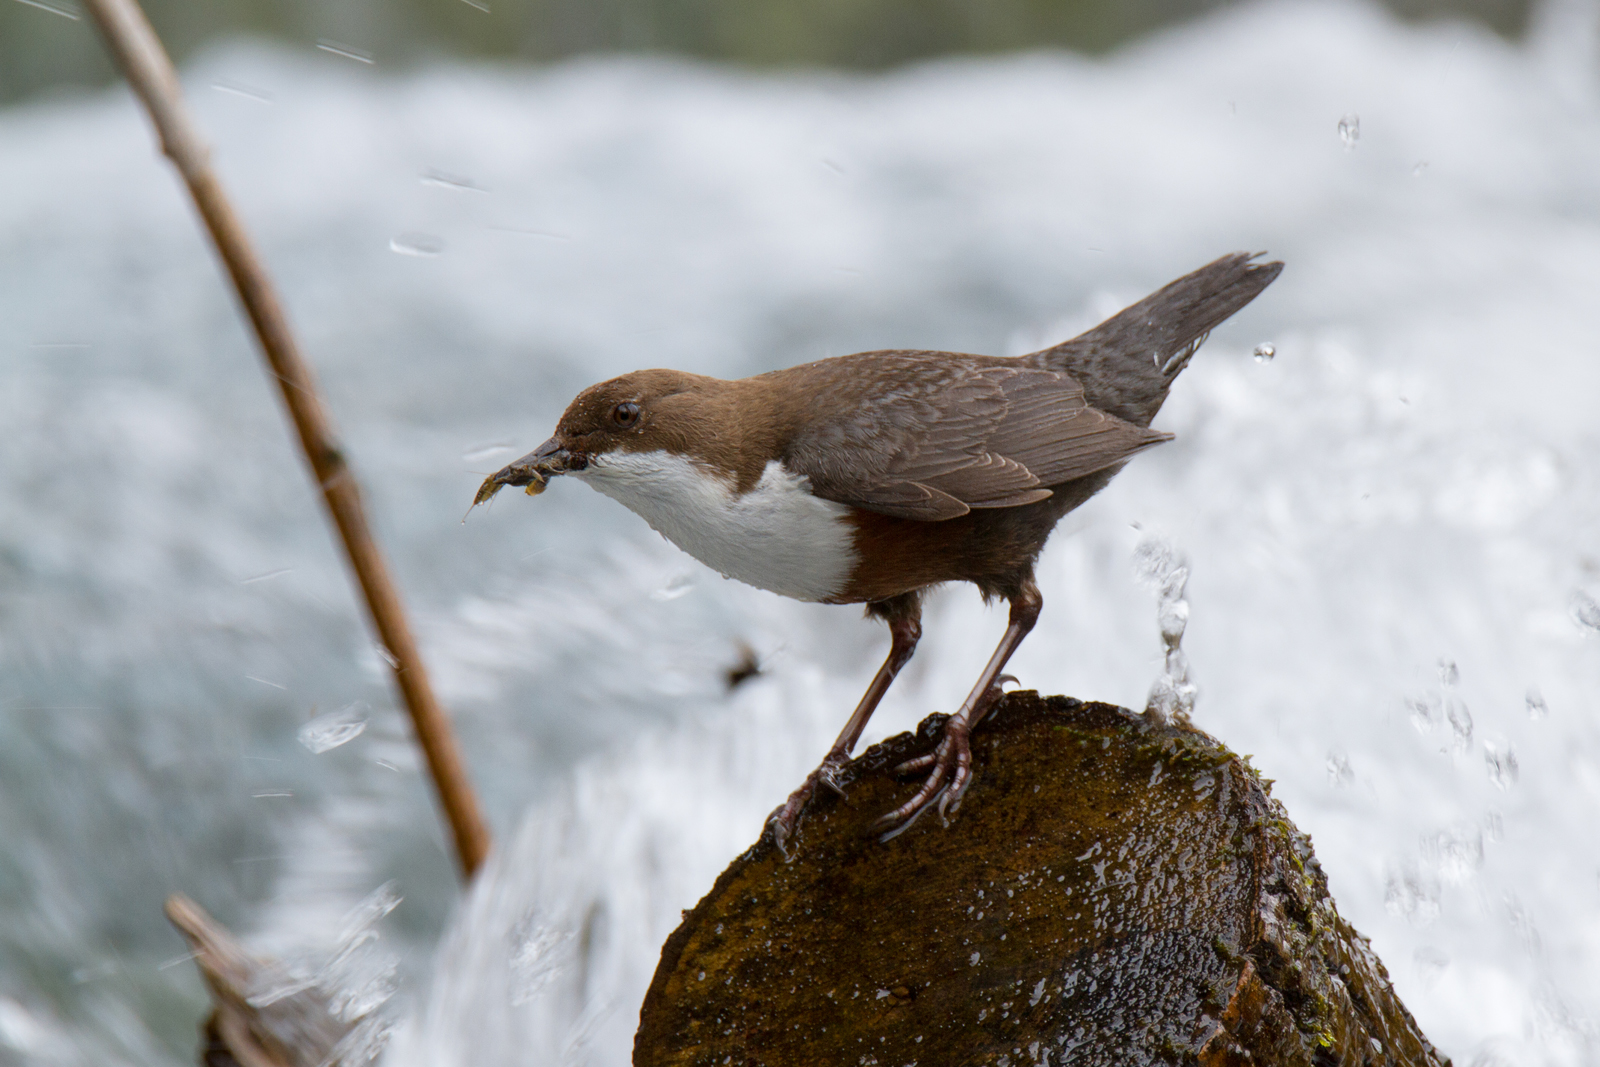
(947, 781)
(785, 820)
(949, 766)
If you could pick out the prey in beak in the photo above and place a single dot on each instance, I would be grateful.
(532, 471)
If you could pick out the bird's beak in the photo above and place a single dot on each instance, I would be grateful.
(532, 470)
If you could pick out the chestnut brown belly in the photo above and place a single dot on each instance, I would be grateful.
(994, 548)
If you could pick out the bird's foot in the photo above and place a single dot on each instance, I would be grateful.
(949, 766)
(786, 819)
(949, 772)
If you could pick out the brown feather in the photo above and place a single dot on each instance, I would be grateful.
(930, 438)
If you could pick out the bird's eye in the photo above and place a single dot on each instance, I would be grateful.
(625, 414)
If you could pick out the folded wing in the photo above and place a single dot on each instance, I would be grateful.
(973, 433)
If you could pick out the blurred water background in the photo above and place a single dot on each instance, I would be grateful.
(1391, 525)
(38, 52)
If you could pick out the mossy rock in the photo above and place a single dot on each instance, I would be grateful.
(1111, 891)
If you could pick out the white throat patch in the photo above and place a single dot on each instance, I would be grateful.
(777, 536)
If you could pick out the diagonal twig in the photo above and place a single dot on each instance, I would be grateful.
(149, 71)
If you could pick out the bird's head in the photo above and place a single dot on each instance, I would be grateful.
(648, 410)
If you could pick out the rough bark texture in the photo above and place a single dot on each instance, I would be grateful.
(1111, 892)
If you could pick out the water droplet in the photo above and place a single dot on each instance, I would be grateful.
(327, 732)
(681, 585)
(1424, 713)
(1422, 166)
(1461, 722)
(1153, 560)
(249, 92)
(1501, 762)
(1174, 617)
(541, 952)
(1170, 698)
(479, 4)
(1412, 896)
(345, 50)
(1339, 772)
(368, 910)
(482, 452)
(263, 681)
(1522, 924)
(416, 244)
(278, 986)
(264, 577)
(1158, 564)
(1350, 130)
(442, 180)
(56, 7)
(1449, 674)
(1264, 352)
(1586, 611)
(1456, 853)
(1537, 708)
(1494, 826)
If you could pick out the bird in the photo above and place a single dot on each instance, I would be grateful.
(873, 478)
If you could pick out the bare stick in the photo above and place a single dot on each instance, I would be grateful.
(264, 1016)
(148, 69)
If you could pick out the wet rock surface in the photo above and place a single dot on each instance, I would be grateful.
(1112, 891)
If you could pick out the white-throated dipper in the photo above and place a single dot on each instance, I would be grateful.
(871, 478)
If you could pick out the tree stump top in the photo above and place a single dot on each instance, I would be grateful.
(1111, 891)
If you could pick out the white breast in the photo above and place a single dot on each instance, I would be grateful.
(777, 536)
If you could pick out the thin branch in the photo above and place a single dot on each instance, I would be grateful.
(265, 1015)
(149, 71)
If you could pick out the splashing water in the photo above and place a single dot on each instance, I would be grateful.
(352, 982)
(1162, 569)
(328, 732)
(1501, 761)
(1350, 131)
(1586, 610)
(1397, 491)
(422, 245)
(346, 51)
(1534, 702)
(1455, 710)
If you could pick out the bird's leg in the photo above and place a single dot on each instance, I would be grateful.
(951, 762)
(904, 616)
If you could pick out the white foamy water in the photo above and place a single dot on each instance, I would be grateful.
(1389, 527)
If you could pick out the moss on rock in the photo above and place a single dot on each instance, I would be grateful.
(1112, 891)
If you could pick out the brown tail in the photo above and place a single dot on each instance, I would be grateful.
(1127, 363)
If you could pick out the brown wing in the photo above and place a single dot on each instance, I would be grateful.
(957, 434)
